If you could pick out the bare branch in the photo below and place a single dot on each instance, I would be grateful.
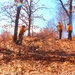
(64, 7)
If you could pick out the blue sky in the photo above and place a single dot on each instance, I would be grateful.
(48, 14)
(1, 1)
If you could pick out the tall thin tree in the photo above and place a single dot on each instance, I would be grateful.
(16, 22)
(69, 11)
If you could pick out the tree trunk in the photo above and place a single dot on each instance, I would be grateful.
(30, 12)
(70, 13)
(16, 25)
(29, 28)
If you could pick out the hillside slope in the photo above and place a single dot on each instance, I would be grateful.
(47, 56)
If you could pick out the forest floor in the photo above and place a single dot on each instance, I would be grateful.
(36, 56)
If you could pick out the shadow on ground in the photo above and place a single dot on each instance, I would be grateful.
(48, 56)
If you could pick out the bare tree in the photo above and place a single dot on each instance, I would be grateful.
(51, 25)
(16, 23)
(68, 9)
(6, 13)
(27, 15)
(30, 8)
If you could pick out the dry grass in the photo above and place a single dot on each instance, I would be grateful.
(37, 56)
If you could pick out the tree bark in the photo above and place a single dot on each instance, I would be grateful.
(16, 23)
(30, 12)
(69, 14)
